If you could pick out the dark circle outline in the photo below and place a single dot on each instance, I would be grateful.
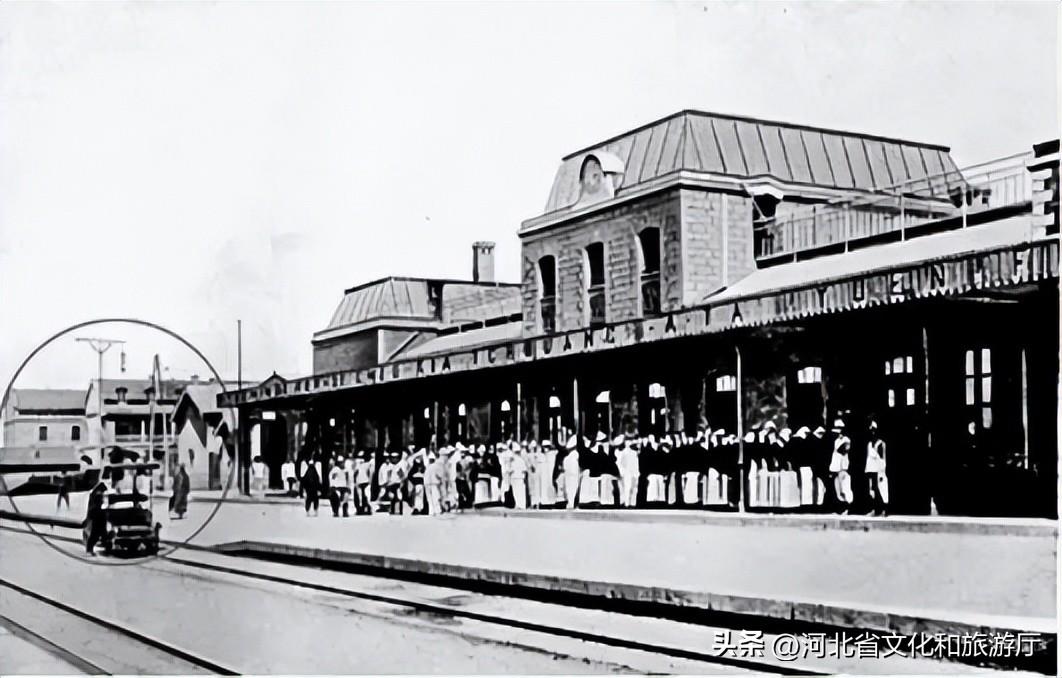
(173, 548)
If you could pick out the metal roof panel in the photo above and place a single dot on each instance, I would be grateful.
(857, 160)
(796, 155)
(777, 161)
(842, 173)
(752, 148)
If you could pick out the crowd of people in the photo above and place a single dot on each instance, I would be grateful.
(782, 470)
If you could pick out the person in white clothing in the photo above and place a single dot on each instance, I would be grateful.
(287, 472)
(842, 483)
(434, 475)
(877, 481)
(363, 471)
(546, 477)
(337, 489)
(259, 474)
(627, 461)
(536, 460)
(802, 459)
(571, 471)
(518, 471)
(505, 463)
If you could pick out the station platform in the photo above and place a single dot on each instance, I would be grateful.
(933, 575)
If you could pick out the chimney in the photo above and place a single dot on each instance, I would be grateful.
(482, 261)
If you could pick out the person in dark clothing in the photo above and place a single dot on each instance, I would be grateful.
(181, 486)
(466, 479)
(311, 485)
(62, 492)
(490, 468)
(95, 519)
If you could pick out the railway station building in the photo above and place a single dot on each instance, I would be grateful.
(719, 271)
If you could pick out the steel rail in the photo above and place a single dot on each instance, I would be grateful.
(151, 641)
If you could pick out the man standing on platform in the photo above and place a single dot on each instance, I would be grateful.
(839, 464)
(627, 463)
(433, 480)
(363, 471)
(287, 473)
(571, 471)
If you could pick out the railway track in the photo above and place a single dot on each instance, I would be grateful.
(427, 607)
(92, 643)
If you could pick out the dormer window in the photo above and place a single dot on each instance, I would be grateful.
(120, 394)
(435, 298)
(649, 240)
(599, 176)
(547, 276)
(764, 206)
(595, 290)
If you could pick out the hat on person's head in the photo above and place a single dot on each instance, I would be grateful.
(873, 426)
(802, 432)
(750, 437)
(600, 437)
(571, 443)
(785, 433)
(819, 430)
(618, 441)
(770, 426)
(547, 443)
(838, 424)
(481, 449)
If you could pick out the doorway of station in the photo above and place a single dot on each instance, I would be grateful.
(274, 448)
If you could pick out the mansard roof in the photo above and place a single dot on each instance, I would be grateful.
(747, 148)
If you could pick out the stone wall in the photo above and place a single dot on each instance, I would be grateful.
(717, 234)
(618, 229)
(706, 243)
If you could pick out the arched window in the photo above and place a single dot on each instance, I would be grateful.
(595, 289)
(649, 240)
(547, 276)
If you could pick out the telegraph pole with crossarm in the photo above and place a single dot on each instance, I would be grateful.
(100, 346)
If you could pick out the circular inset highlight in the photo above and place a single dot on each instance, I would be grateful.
(170, 547)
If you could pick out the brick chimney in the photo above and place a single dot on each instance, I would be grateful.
(1044, 169)
(483, 261)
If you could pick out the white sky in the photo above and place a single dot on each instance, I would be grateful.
(192, 164)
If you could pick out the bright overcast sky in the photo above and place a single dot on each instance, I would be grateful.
(192, 164)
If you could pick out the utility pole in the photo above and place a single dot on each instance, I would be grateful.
(241, 481)
(100, 346)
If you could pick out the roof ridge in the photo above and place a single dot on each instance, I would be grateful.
(753, 120)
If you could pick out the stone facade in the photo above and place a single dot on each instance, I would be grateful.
(617, 229)
(705, 243)
(718, 239)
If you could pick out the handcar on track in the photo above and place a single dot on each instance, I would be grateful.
(130, 523)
